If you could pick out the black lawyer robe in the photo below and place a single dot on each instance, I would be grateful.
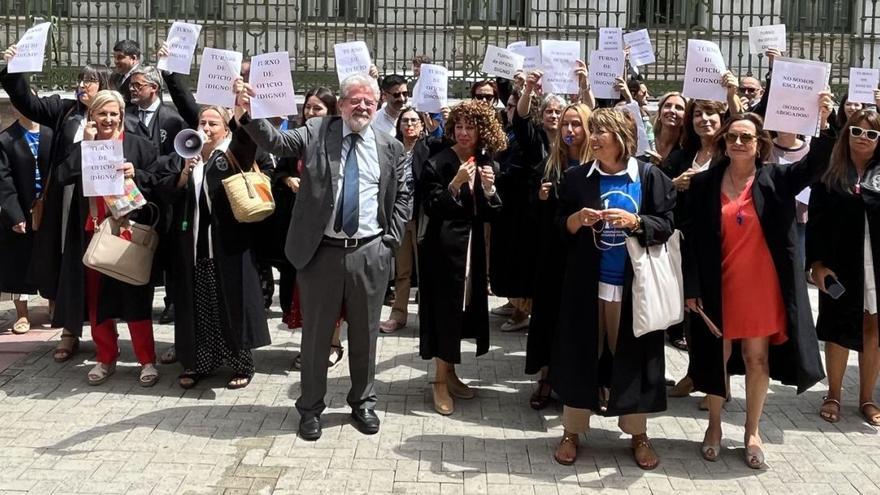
(835, 237)
(549, 269)
(17, 195)
(164, 126)
(513, 243)
(637, 375)
(795, 362)
(116, 299)
(64, 117)
(243, 317)
(443, 258)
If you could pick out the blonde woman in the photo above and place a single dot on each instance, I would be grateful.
(84, 294)
(669, 124)
(219, 313)
(568, 149)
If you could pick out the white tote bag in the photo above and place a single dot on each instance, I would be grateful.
(657, 290)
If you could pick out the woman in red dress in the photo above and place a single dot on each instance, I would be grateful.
(742, 276)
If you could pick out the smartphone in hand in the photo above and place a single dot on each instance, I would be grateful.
(833, 287)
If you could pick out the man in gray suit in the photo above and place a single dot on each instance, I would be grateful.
(347, 222)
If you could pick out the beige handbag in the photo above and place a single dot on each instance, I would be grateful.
(128, 261)
(249, 193)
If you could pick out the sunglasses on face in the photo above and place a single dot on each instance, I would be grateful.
(488, 98)
(871, 134)
(744, 138)
(748, 90)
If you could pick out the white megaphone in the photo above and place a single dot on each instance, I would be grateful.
(188, 143)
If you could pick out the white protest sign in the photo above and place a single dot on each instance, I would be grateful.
(636, 113)
(641, 52)
(352, 58)
(502, 63)
(30, 50)
(181, 41)
(531, 55)
(431, 93)
(605, 67)
(793, 104)
(610, 38)
(763, 38)
(703, 71)
(217, 75)
(862, 83)
(273, 86)
(101, 174)
(559, 59)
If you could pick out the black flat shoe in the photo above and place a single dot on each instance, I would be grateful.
(366, 421)
(167, 315)
(188, 379)
(310, 428)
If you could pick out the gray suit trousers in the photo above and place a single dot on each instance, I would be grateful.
(337, 279)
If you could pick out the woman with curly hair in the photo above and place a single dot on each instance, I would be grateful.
(459, 197)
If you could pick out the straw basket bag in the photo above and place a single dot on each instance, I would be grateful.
(249, 193)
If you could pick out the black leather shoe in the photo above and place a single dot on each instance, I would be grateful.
(310, 428)
(167, 315)
(366, 421)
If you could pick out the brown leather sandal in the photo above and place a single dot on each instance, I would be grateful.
(566, 451)
(643, 453)
(830, 410)
(872, 419)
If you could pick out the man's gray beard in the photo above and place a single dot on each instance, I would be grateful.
(356, 125)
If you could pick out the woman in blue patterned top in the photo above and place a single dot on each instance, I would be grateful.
(598, 366)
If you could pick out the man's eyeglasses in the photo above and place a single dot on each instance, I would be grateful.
(357, 101)
(139, 86)
(871, 134)
(748, 91)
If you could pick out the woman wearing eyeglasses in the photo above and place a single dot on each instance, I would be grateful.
(843, 236)
(410, 128)
(532, 131)
(601, 203)
(67, 119)
(742, 276)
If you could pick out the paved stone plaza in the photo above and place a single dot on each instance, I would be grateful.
(59, 435)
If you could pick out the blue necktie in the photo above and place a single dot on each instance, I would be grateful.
(347, 217)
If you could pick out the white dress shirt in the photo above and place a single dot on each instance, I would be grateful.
(367, 153)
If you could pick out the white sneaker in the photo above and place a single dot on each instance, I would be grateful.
(513, 326)
(505, 309)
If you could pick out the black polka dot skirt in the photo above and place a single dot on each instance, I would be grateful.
(212, 346)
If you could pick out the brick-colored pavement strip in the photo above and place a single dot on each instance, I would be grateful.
(59, 435)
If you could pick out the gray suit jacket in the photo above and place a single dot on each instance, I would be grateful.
(319, 145)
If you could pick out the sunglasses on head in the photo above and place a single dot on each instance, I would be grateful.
(871, 134)
(744, 138)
